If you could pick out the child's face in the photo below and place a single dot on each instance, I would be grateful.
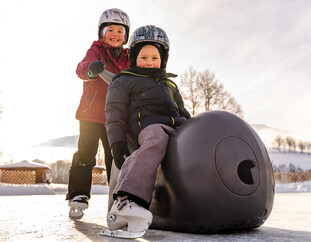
(148, 57)
(114, 35)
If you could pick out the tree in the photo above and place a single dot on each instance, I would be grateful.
(290, 142)
(202, 92)
(190, 95)
(100, 154)
(1, 151)
(308, 146)
(209, 89)
(302, 145)
(278, 142)
(60, 171)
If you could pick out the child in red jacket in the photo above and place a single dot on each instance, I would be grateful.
(105, 53)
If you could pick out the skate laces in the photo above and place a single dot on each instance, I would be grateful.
(123, 201)
(80, 199)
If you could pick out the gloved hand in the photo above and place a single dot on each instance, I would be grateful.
(95, 68)
(185, 113)
(179, 121)
(119, 151)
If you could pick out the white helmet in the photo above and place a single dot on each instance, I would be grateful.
(114, 16)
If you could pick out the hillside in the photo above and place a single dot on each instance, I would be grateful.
(266, 133)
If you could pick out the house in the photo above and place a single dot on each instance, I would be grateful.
(24, 172)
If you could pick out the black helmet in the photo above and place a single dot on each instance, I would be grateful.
(149, 34)
(114, 16)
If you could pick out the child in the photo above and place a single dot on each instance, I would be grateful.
(143, 107)
(107, 52)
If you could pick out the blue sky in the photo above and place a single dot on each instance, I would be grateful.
(259, 50)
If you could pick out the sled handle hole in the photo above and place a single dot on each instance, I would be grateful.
(245, 173)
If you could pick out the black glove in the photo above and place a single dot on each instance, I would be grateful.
(179, 121)
(185, 113)
(95, 68)
(120, 153)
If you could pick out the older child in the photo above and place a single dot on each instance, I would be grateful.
(107, 52)
(143, 107)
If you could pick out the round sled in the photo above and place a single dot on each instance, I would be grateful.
(216, 176)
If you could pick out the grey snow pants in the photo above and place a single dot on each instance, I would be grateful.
(138, 172)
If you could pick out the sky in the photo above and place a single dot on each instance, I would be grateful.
(259, 50)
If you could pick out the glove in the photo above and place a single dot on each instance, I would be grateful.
(185, 113)
(120, 152)
(179, 121)
(95, 68)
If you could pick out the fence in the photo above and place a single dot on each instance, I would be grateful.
(99, 179)
(18, 177)
(291, 177)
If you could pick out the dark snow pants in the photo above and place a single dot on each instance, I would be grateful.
(138, 172)
(80, 174)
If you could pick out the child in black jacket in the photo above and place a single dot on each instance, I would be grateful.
(143, 107)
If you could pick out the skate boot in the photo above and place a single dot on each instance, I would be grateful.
(126, 219)
(77, 205)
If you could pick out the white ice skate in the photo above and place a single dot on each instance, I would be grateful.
(127, 220)
(77, 205)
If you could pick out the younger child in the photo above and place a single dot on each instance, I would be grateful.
(107, 52)
(143, 108)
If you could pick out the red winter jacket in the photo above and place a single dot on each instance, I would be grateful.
(93, 100)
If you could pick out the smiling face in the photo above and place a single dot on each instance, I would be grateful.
(148, 57)
(114, 35)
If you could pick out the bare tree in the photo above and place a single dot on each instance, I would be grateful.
(301, 145)
(308, 147)
(60, 171)
(190, 87)
(290, 142)
(1, 151)
(203, 86)
(278, 142)
(209, 88)
(100, 154)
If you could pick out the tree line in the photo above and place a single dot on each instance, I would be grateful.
(290, 144)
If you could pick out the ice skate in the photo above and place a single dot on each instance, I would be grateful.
(77, 205)
(127, 220)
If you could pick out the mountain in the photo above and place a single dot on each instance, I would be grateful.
(64, 142)
(266, 133)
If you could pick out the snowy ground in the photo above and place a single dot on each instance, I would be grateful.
(301, 160)
(40, 216)
(57, 189)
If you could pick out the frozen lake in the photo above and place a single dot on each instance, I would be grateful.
(45, 218)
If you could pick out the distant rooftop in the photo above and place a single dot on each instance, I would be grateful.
(26, 164)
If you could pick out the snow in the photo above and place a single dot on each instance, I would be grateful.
(58, 189)
(301, 160)
(43, 189)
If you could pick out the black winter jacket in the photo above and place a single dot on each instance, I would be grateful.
(138, 97)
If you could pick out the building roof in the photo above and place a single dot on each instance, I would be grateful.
(25, 164)
(99, 167)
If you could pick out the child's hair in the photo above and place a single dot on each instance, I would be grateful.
(114, 16)
(152, 35)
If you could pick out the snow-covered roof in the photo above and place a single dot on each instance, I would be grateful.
(99, 167)
(25, 164)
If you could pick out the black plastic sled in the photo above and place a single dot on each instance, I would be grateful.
(216, 176)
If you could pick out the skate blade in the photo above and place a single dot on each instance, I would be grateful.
(75, 214)
(122, 234)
